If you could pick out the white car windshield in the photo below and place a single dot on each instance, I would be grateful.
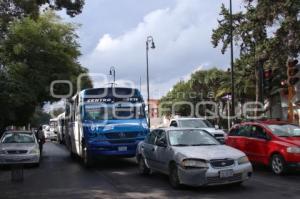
(286, 130)
(195, 123)
(18, 138)
(191, 138)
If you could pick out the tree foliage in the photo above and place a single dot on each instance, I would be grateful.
(205, 85)
(267, 33)
(39, 118)
(11, 10)
(34, 53)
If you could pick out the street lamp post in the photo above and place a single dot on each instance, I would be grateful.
(112, 72)
(151, 42)
(231, 62)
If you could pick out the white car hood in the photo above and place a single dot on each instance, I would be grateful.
(213, 130)
(208, 152)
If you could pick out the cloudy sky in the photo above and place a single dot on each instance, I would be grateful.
(113, 33)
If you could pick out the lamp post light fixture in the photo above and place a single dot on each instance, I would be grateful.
(149, 41)
(112, 72)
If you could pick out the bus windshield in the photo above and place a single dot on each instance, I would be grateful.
(114, 112)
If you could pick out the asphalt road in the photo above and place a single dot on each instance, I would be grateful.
(61, 177)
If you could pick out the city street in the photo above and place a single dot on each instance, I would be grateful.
(61, 177)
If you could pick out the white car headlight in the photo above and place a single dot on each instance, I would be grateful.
(243, 160)
(34, 151)
(194, 163)
(293, 149)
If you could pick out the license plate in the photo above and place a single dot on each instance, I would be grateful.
(122, 148)
(226, 173)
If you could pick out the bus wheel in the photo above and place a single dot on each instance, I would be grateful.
(58, 140)
(72, 155)
(87, 159)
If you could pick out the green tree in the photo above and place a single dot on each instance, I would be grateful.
(39, 118)
(56, 112)
(34, 53)
(11, 10)
(208, 85)
(267, 33)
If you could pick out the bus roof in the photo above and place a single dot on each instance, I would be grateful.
(109, 91)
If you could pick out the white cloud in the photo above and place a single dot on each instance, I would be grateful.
(182, 35)
(106, 43)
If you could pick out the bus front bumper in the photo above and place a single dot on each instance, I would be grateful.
(105, 148)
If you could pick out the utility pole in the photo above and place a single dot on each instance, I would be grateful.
(148, 41)
(140, 84)
(232, 67)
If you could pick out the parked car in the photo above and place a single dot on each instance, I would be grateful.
(19, 147)
(192, 157)
(49, 133)
(273, 143)
(200, 123)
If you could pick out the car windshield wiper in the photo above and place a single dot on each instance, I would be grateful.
(203, 144)
(181, 145)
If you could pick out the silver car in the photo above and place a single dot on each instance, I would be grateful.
(192, 157)
(19, 147)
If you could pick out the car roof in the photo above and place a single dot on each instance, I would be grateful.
(18, 131)
(273, 122)
(176, 128)
(264, 122)
(188, 118)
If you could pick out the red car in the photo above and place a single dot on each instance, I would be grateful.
(270, 142)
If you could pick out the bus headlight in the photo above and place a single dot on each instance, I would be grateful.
(145, 125)
(191, 163)
(108, 127)
(243, 160)
(293, 149)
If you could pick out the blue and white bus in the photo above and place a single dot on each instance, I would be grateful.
(105, 122)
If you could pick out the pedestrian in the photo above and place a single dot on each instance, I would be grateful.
(41, 138)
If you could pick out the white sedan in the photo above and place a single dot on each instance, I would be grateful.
(19, 147)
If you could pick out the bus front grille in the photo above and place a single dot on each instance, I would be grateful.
(121, 141)
(121, 135)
